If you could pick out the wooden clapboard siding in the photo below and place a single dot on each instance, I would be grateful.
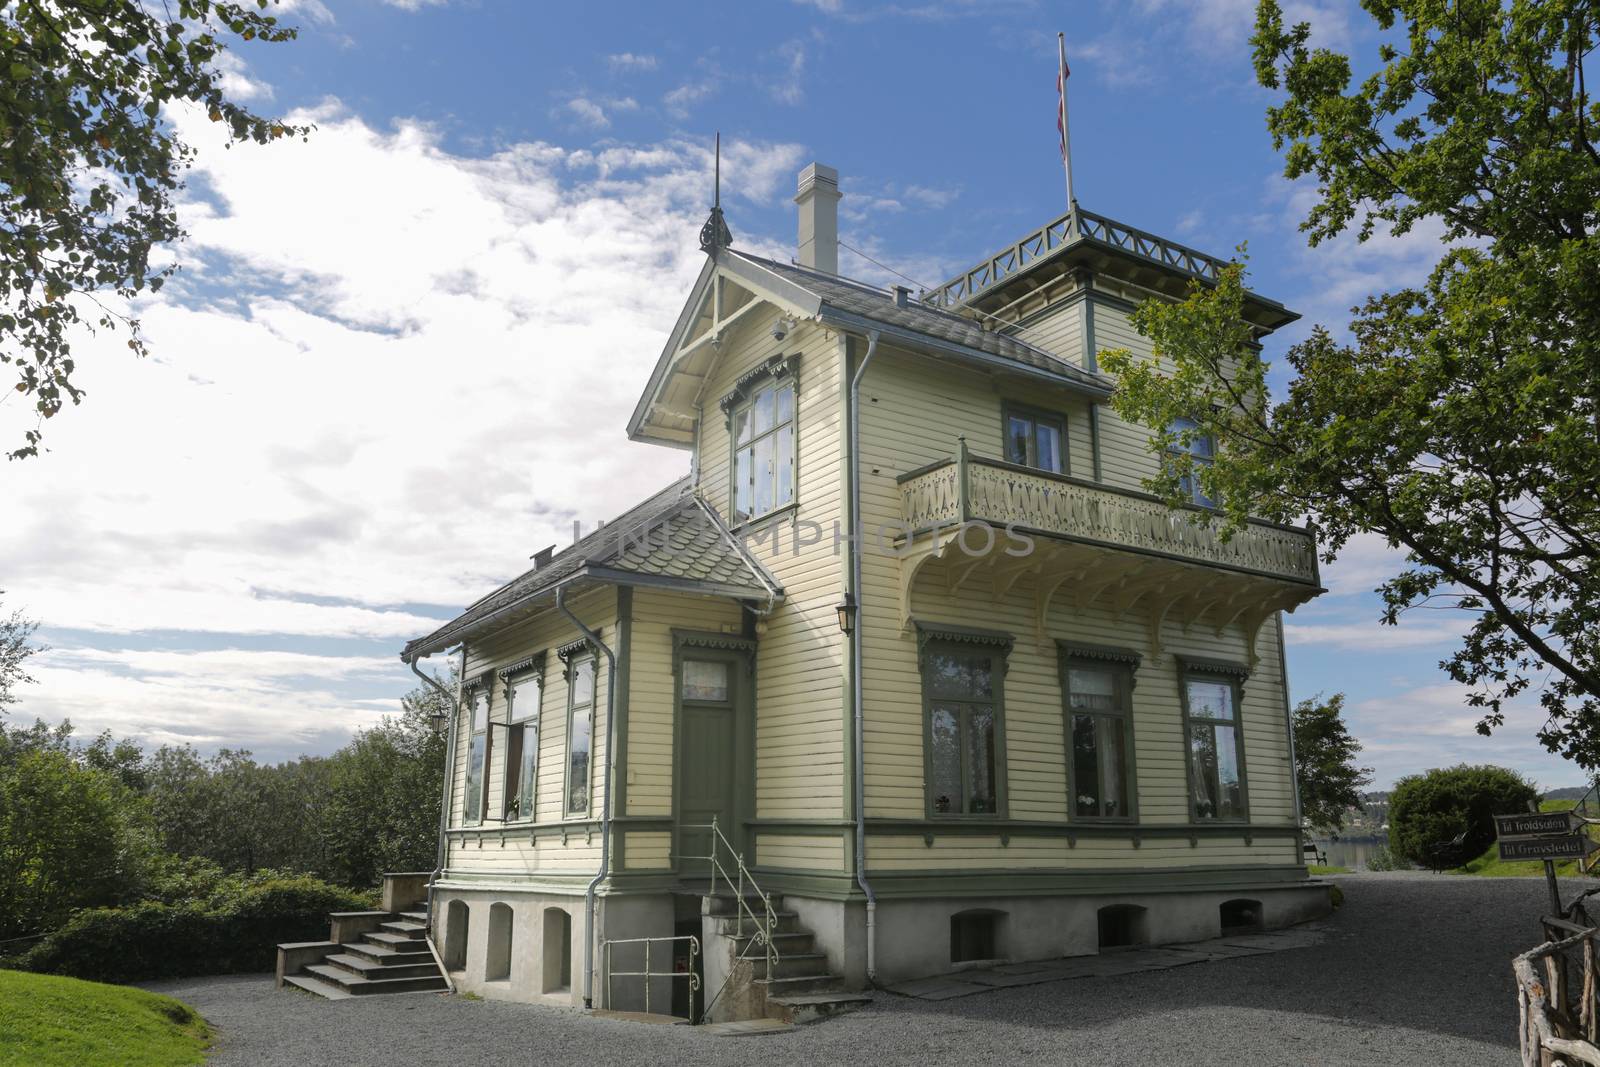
(651, 697)
(799, 667)
(545, 631)
(803, 852)
(647, 850)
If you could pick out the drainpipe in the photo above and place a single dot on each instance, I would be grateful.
(454, 704)
(605, 798)
(855, 656)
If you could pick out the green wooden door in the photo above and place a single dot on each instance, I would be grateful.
(709, 703)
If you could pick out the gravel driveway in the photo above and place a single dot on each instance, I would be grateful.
(1417, 971)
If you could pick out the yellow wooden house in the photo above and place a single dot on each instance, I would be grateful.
(949, 683)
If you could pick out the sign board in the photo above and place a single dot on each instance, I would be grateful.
(1528, 823)
(1565, 847)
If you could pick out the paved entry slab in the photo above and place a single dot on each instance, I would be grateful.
(1110, 964)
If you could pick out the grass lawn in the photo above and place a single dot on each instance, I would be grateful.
(1317, 868)
(1490, 865)
(47, 1021)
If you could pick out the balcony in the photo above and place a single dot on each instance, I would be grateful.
(1093, 541)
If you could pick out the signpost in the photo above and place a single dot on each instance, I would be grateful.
(1547, 836)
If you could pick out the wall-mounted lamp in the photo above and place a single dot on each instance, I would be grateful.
(847, 614)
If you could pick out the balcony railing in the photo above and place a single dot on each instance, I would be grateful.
(971, 488)
(1076, 225)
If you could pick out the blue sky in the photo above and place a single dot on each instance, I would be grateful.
(399, 358)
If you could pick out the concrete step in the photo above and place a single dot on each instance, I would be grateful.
(796, 943)
(810, 983)
(799, 965)
(415, 916)
(727, 903)
(730, 926)
(811, 1007)
(405, 928)
(383, 954)
(359, 986)
(370, 969)
(316, 986)
(398, 942)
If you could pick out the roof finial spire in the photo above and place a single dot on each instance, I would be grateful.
(715, 235)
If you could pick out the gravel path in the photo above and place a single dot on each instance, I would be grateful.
(1417, 971)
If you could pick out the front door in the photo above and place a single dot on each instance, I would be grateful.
(712, 722)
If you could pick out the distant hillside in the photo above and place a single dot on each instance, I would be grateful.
(1571, 792)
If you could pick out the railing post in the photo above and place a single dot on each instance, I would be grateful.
(647, 975)
(964, 506)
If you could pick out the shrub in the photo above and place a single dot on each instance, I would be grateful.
(1426, 811)
(236, 929)
(1382, 859)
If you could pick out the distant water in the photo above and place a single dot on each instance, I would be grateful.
(1351, 852)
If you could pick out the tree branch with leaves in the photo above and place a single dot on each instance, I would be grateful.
(90, 164)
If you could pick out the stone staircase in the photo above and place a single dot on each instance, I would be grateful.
(368, 953)
(800, 989)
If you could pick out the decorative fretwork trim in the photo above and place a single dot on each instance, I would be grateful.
(533, 664)
(1111, 653)
(1201, 665)
(581, 645)
(962, 635)
(777, 368)
(477, 681)
(731, 642)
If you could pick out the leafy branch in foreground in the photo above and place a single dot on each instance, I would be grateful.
(89, 165)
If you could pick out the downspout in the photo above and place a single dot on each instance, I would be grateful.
(454, 704)
(855, 656)
(605, 798)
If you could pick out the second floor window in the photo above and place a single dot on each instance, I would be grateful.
(763, 451)
(1036, 439)
(1203, 449)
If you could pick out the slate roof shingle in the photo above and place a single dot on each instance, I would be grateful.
(673, 535)
(859, 298)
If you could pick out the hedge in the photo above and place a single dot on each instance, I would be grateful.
(1426, 811)
(237, 934)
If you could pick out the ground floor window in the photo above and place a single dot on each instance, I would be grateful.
(1215, 742)
(523, 695)
(477, 751)
(963, 678)
(1097, 686)
(580, 731)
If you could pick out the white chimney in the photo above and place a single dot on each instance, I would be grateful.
(819, 218)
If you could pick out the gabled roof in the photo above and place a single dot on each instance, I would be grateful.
(878, 306)
(732, 283)
(672, 540)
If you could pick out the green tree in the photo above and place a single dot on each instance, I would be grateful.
(89, 164)
(70, 837)
(385, 788)
(1429, 810)
(16, 646)
(1325, 761)
(1459, 421)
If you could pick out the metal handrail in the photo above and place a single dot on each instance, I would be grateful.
(765, 926)
(647, 973)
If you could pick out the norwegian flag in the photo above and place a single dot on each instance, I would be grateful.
(1061, 116)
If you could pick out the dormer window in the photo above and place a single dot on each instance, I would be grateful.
(1036, 438)
(763, 450)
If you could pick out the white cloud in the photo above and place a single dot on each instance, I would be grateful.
(680, 100)
(236, 82)
(630, 61)
(789, 85)
(1371, 635)
(1224, 26)
(386, 375)
(415, 5)
(314, 10)
(588, 112)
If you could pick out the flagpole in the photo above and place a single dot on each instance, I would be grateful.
(1066, 137)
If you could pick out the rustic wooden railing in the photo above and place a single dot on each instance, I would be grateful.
(969, 488)
(1558, 996)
